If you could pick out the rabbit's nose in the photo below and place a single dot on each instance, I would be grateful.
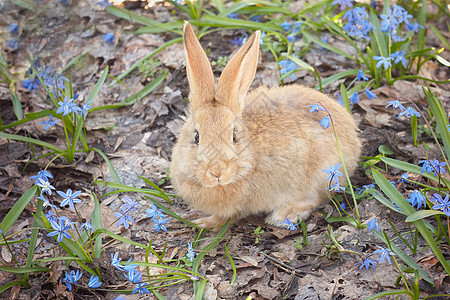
(215, 173)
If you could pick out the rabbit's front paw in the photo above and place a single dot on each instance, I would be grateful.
(210, 222)
(294, 213)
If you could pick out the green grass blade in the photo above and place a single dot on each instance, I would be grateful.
(421, 19)
(109, 164)
(380, 37)
(302, 64)
(333, 78)
(379, 196)
(440, 36)
(29, 117)
(34, 235)
(31, 141)
(414, 129)
(422, 214)
(24, 269)
(216, 21)
(126, 188)
(344, 98)
(402, 165)
(96, 221)
(17, 105)
(119, 238)
(316, 40)
(93, 94)
(200, 290)
(397, 197)
(388, 293)
(139, 62)
(150, 87)
(14, 213)
(11, 284)
(163, 194)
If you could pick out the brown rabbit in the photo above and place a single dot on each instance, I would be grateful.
(240, 154)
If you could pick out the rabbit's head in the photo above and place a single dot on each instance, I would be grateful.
(215, 138)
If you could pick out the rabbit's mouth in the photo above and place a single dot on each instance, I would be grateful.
(217, 174)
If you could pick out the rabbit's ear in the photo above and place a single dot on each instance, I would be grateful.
(238, 74)
(199, 72)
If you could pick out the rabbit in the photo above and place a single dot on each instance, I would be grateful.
(241, 154)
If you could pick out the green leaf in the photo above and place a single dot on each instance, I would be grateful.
(24, 269)
(389, 293)
(172, 214)
(200, 290)
(119, 238)
(438, 33)
(12, 283)
(414, 129)
(17, 105)
(14, 213)
(316, 40)
(335, 77)
(342, 219)
(31, 141)
(344, 98)
(163, 194)
(422, 214)
(126, 188)
(137, 96)
(302, 64)
(380, 37)
(96, 221)
(109, 164)
(216, 21)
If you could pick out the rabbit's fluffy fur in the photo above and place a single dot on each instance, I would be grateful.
(263, 152)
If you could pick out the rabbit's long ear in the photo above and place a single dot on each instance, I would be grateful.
(199, 72)
(238, 74)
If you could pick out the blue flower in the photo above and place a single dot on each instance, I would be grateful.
(238, 40)
(134, 276)
(295, 31)
(385, 61)
(49, 122)
(393, 183)
(286, 26)
(385, 254)
(86, 226)
(13, 28)
(159, 224)
(45, 203)
(399, 56)
(289, 225)
(124, 219)
(263, 34)
(315, 107)
(361, 75)
(256, 18)
(115, 261)
(366, 187)
(417, 198)
(367, 263)
(370, 95)
(13, 44)
(409, 112)
(427, 167)
(94, 282)
(324, 40)
(342, 206)
(448, 128)
(336, 188)
(141, 289)
(51, 217)
(31, 84)
(60, 229)
(343, 3)
(69, 198)
(233, 16)
(414, 27)
(42, 174)
(373, 224)
(396, 104)
(354, 98)
(72, 278)
(155, 212)
(190, 252)
(325, 122)
(288, 66)
(403, 178)
(45, 186)
(128, 266)
(104, 3)
(130, 204)
(85, 108)
(339, 99)
(442, 204)
(358, 23)
(437, 166)
(108, 37)
(68, 222)
(67, 106)
(333, 173)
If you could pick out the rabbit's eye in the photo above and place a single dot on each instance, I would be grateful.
(234, 137)
(197, 137)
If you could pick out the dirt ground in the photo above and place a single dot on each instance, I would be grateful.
(138, 139)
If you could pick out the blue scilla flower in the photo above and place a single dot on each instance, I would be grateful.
(360, 76)
(325, 122)
(124, 218)
(354, 98)
(343, 3)
(42, 174)
(399, 56)
(31, 84)
(370, 95)
(14, 44)
(160, 224)
(441, 203)
(263, 34)
(333, 173)
(115, 261)
(130, 204)
(417, 199)
(315, 107)
(295, 31)
(45, 186)
(373, 224)
(409, 112)
(286, 26)
(290, 225)
(70, 198)
(288, 66)
(49, 123)
(337, 188)
(404, 178)
(190, 253)
(141, 288)
(396, 104)
(60, 229)
(86, 108)
(366, 187)
(385, 61)
(256, 18)
(367, 262)
(13, 28)
(358, 23)
(414, 27)
(67, 106)
(108, 37)
(86, 226)
(238, 40)
(72, 278)
(51, 217)
(94, 282)
(134, 276)
(233, 16)
(385, 254)
(155, 212)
